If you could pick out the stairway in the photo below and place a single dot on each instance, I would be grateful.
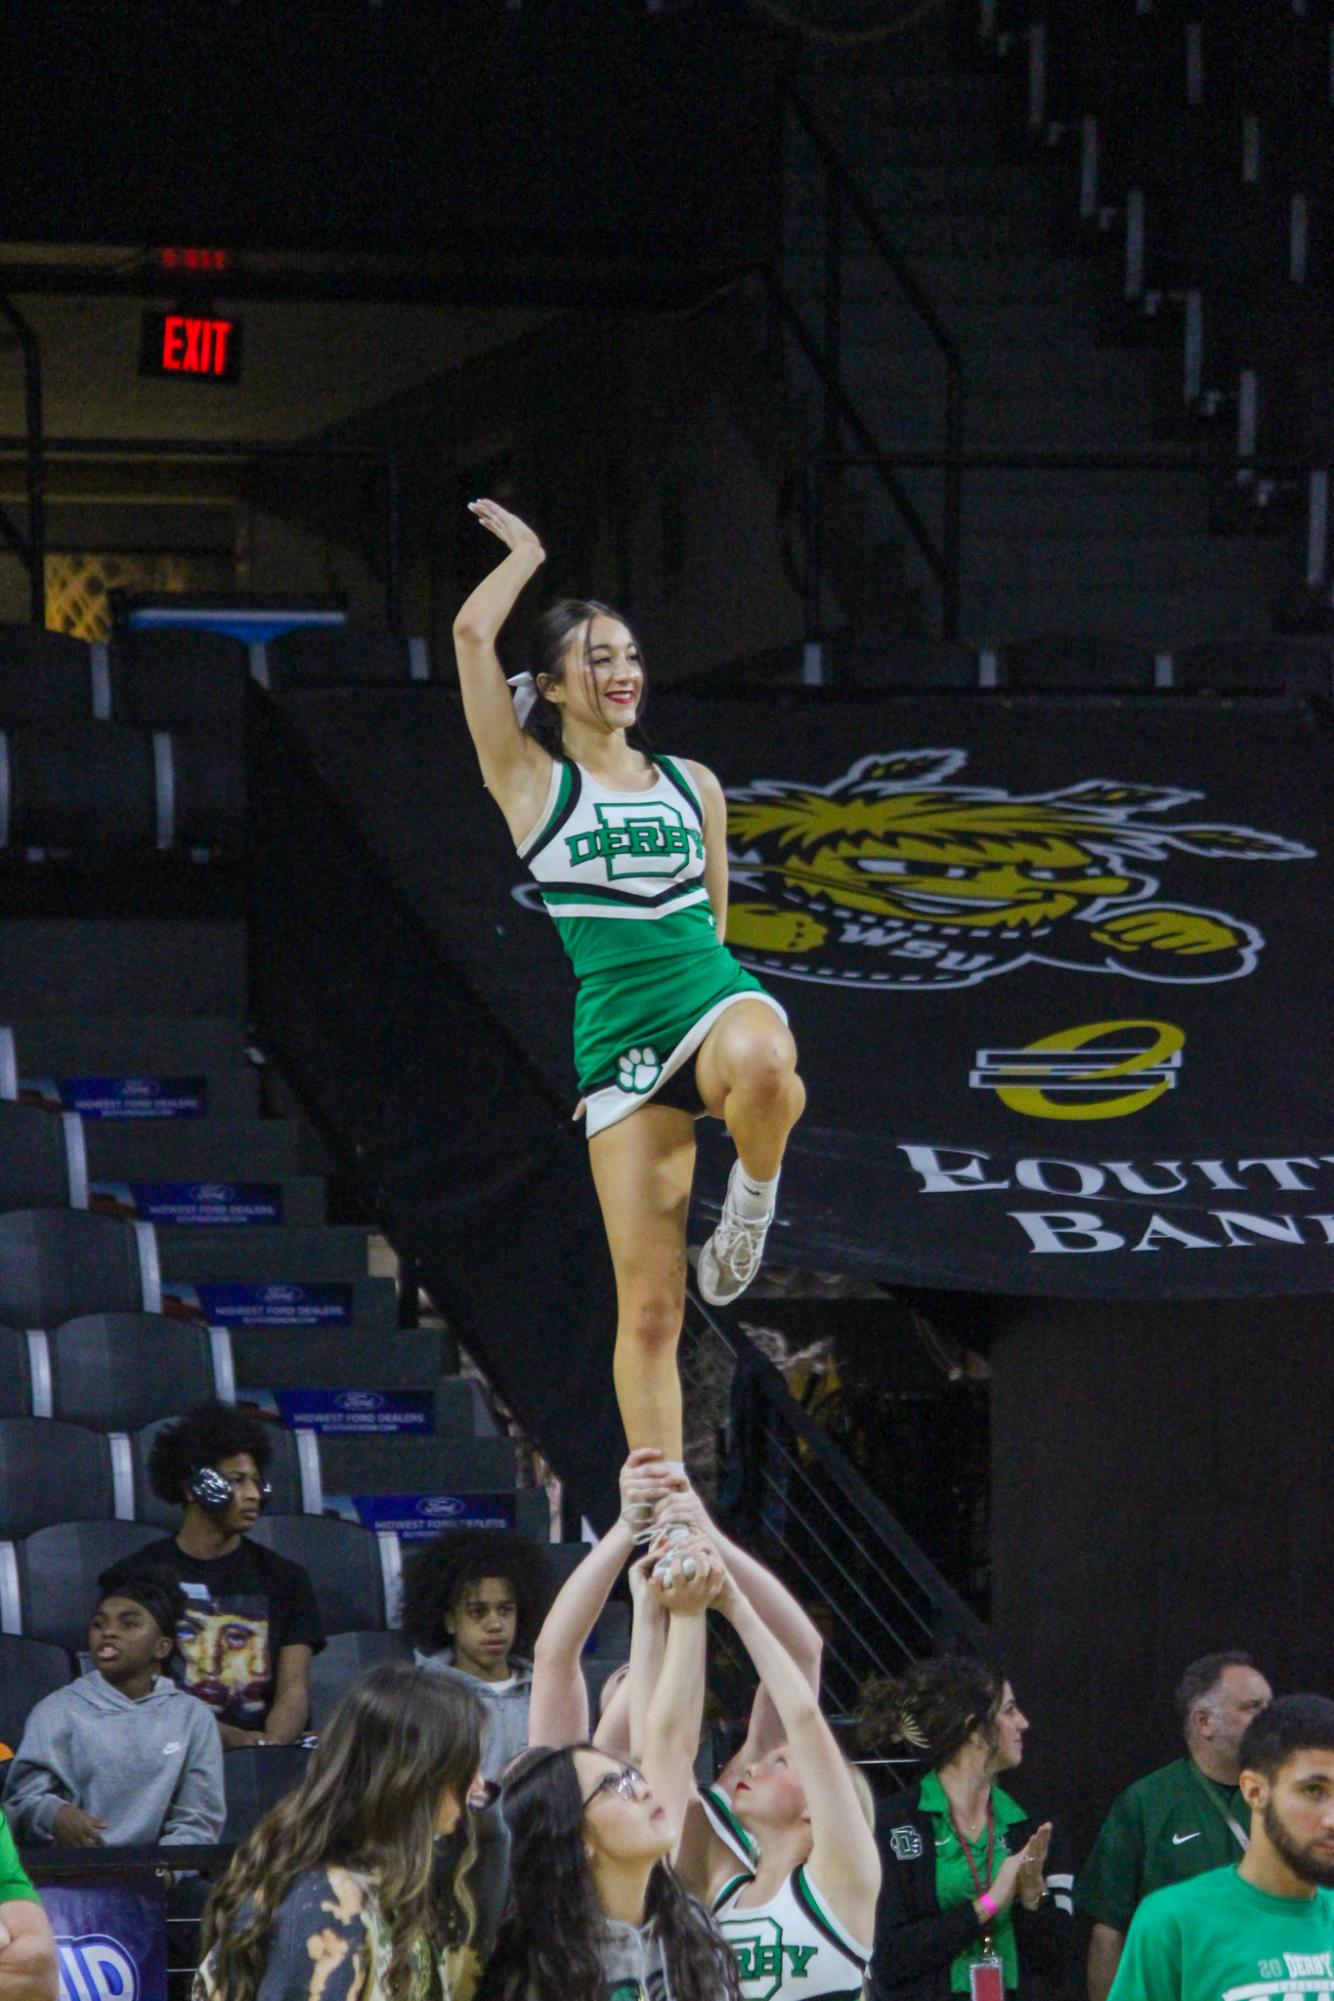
(1123, 554)
(295, 1293)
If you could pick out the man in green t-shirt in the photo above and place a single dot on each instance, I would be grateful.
(27, 1949)
(1179, 1821)
(1262, 1930)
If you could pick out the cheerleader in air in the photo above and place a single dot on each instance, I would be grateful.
(629, 849)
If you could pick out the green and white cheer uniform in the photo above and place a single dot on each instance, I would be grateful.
(622, 874)
(791, 1946)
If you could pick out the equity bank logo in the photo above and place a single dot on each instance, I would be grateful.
(1102, 1070)
(893, 877)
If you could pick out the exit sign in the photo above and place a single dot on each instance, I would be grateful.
(197, 346)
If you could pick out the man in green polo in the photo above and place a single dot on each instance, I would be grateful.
(1262, 1929)
(1179, 1821)
(27, 1949)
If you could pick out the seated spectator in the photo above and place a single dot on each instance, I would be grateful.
(250, 1623)
(472, 1605)
(965, 1868)
(124, 1756)
(27, 1950)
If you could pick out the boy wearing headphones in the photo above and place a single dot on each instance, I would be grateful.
(250, 1624)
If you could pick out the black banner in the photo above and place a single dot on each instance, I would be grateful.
(1058, 971)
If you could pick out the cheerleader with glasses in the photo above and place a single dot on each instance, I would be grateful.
(629, 848)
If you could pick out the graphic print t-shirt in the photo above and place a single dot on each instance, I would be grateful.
(240, 1612)
(1217, 1938)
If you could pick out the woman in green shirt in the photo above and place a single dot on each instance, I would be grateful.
(965, 1897)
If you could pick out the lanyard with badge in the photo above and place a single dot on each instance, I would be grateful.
(986, 1978)
(1239, 1835)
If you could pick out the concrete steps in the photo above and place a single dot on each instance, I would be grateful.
(1122, 554)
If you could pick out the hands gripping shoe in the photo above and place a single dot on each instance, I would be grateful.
(731, 1258)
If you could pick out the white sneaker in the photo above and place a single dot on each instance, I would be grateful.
(731, 1258)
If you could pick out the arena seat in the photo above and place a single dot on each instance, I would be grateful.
(45, 676)
(121, 1371)
(1256, 666)
(52, 1472)
(15, 1380)
(907, 662)
(176, 677)
(1054, 661)
(29, 1670)
(43, 1162)
(345, 1656)
(293, 1473)
(255, 1777)
(208, 791)
(345, 1562)
(323, 656)
(78, 786)
(49, 1580)
(56, 1264)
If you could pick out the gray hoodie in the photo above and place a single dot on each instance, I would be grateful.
(152, 1770)
(505, 1706)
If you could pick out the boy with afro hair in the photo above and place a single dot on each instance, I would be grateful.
(250, 1624)
(474, 1601)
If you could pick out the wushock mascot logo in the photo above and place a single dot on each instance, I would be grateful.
(893, 877)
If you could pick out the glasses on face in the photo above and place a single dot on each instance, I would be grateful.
(625, 1782)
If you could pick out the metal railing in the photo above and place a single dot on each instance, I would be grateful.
(30, 548)
(822, 346)
(801, 1506)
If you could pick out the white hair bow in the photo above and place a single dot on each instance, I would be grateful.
(524, 690)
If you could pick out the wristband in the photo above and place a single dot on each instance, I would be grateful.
(989, 1904)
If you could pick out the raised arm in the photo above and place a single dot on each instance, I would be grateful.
(790, 1625)
(844, 1859)
(558, 1713)
(648, 1640)
(676, 1705)
(516, 770)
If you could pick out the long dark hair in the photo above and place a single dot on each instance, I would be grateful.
(934, 1707)
(548, 1944)
(398, 1741)
(549, 641)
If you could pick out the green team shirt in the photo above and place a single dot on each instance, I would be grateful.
(956, 1882)
(1166, 1828)
(15, 1888)
(1218, 1938)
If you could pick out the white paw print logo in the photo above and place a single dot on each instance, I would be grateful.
(638, 1070)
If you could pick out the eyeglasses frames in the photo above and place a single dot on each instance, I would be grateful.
(625, 1782)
